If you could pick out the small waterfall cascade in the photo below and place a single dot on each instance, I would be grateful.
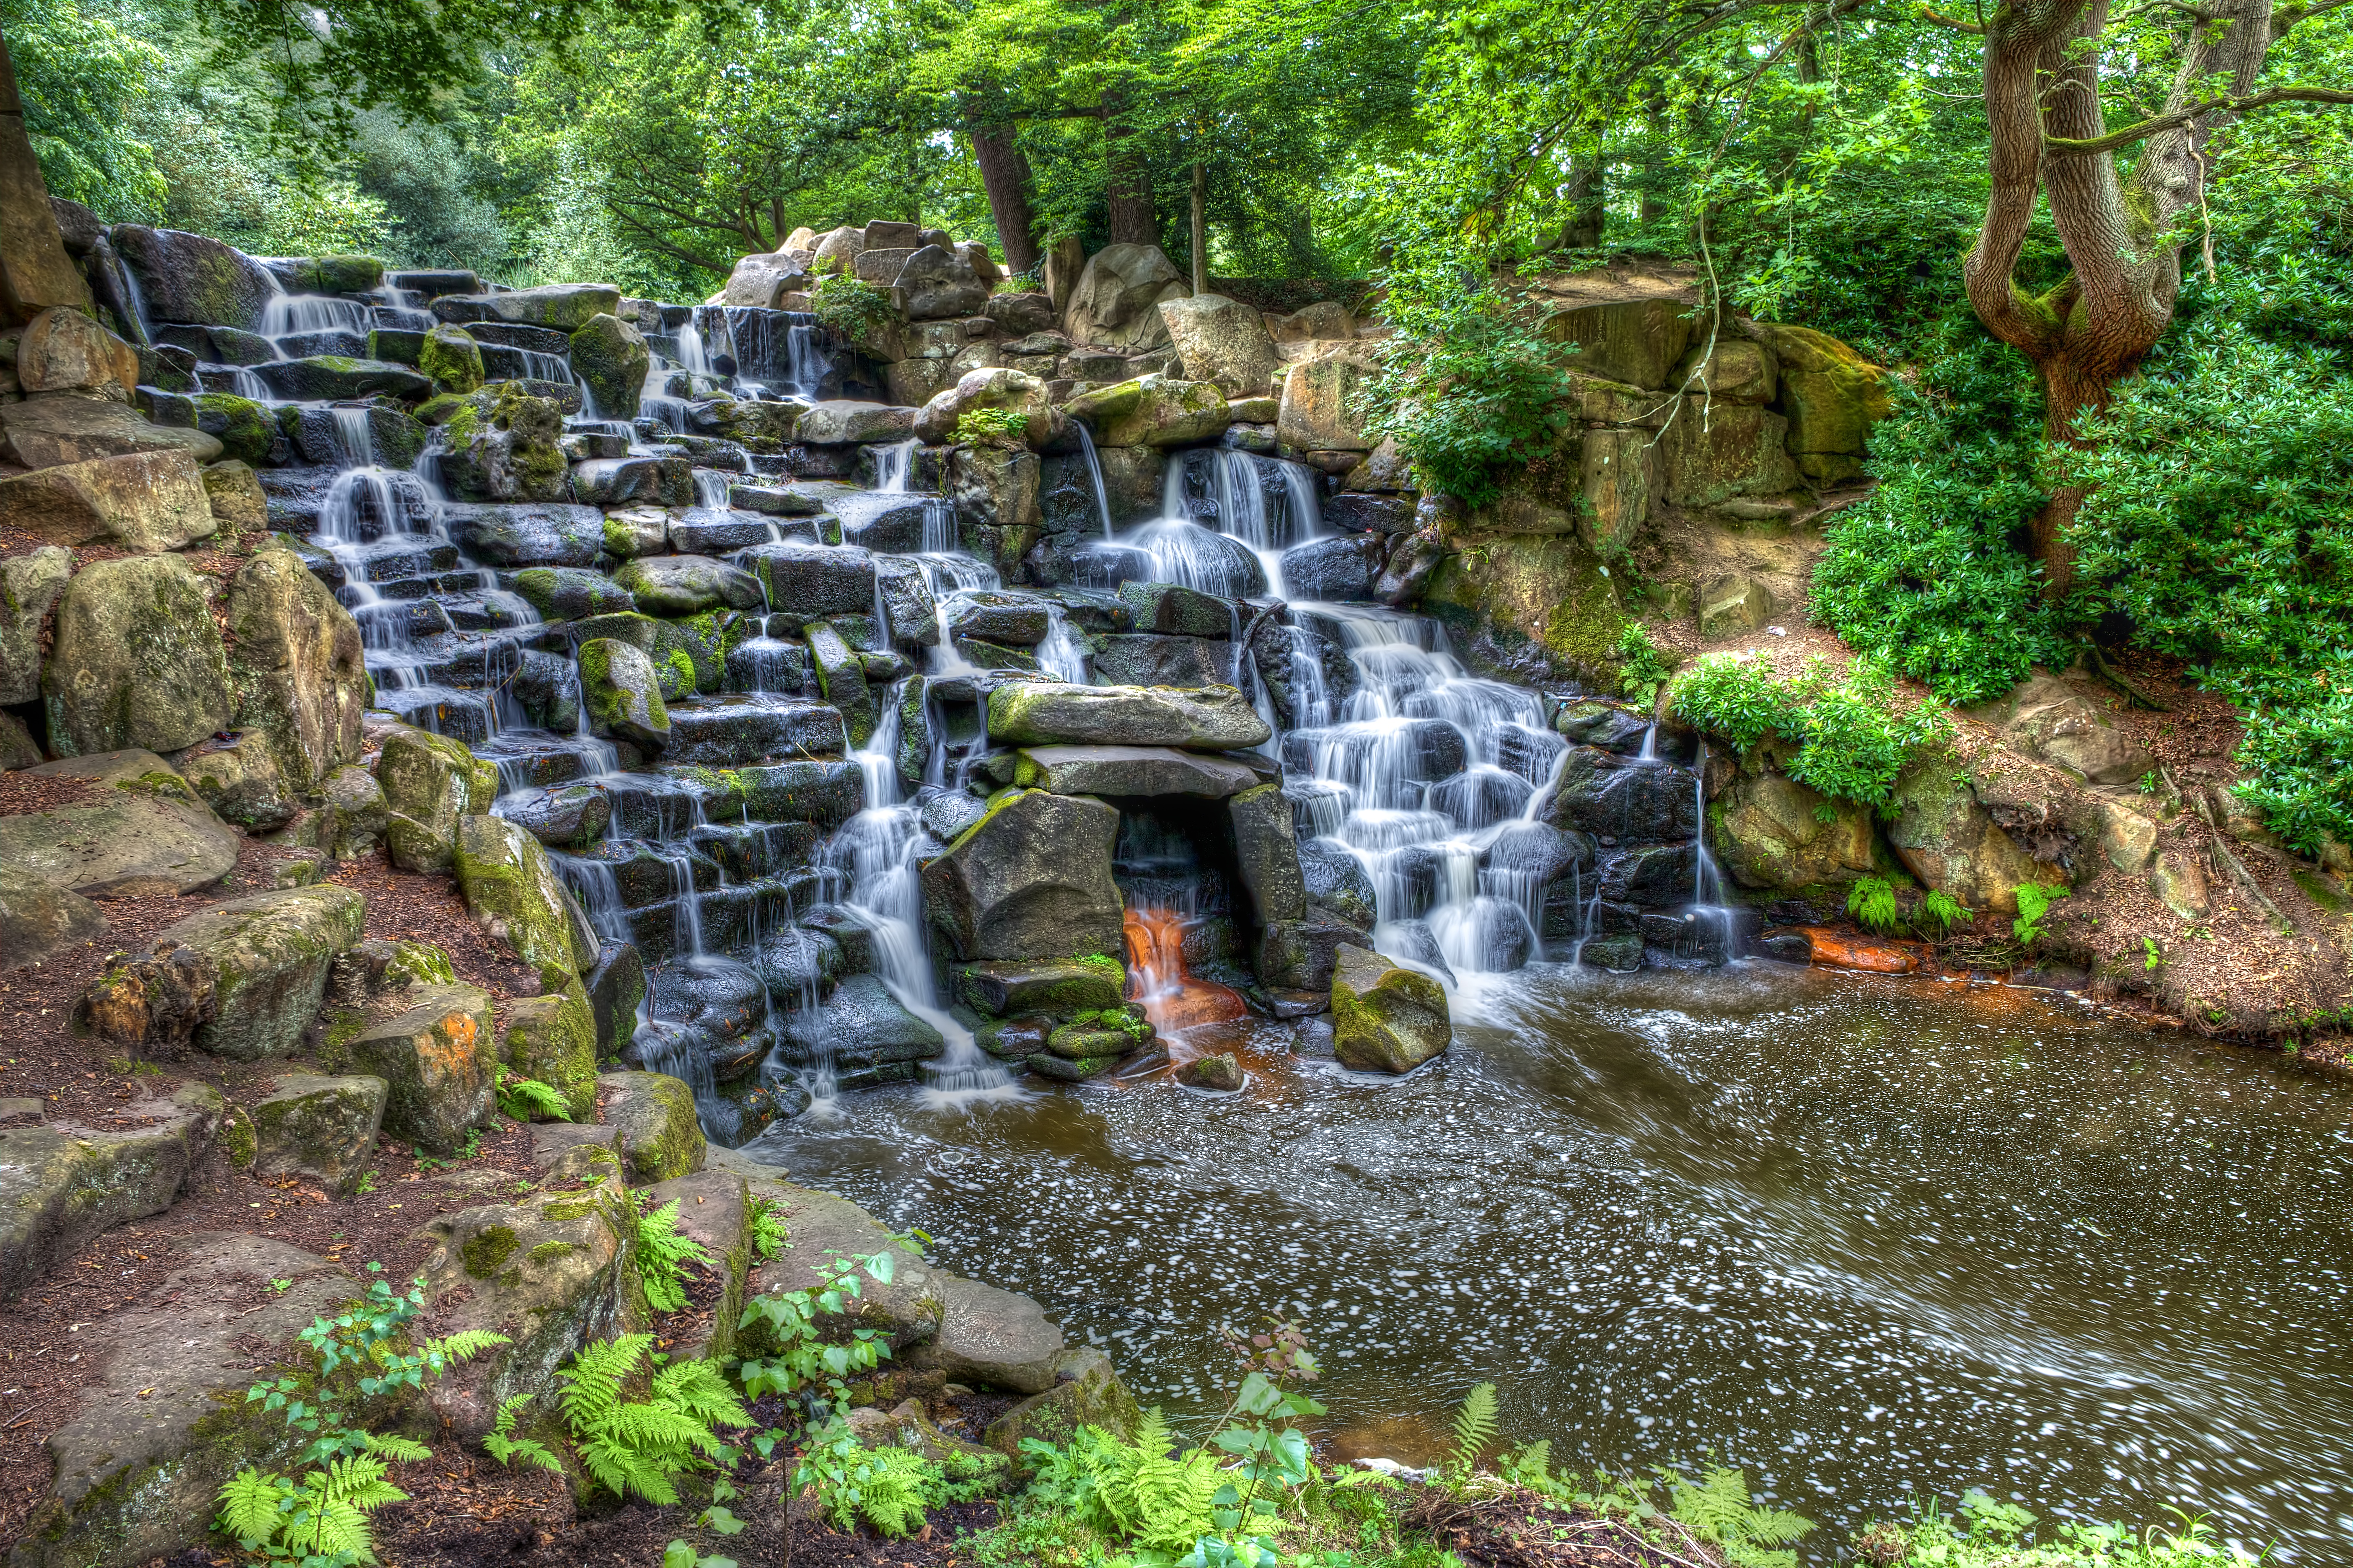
(779, 352)
(1175, 1002)
(1226, 517)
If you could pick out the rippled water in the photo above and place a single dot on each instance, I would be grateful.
(1862, 1238)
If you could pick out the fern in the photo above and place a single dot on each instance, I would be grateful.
(2034, 901)
(504, 1446)
(1133, 1490)
(321, 1520)
(662, 1254)
(643, 1445)
(1474, 1428)
(1871, 902)
(1942, 910)
(767, 1229)
(1717, 1508)
(528, 1100)
(890, 1488)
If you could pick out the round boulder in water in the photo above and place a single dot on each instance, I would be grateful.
(1386, 1018)
(623, 692)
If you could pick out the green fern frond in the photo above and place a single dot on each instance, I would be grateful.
(702, 1391)
(464, 1346)
(528, 1100)
(1775, 1527)
(662, 1254)
(1474, 1426)
(402, 1450)
(502, 1445)
(250, 1506)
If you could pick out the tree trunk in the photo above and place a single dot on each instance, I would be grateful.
(35, 273)
(1586, 197)
(1005, 177)
(1127, 187)
(1200, 229)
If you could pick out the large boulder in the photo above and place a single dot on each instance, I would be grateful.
(138, 659)
(341, 376)
(814, 580)
(1153, 411)
(991, 1338)
(560, 307)
(2047, 717)
(1114, 303)
(145, 832)
(503, 444)
(623, 691)
(1041, 713)
(38, 918)
(513, 889)
(265, 960)
(1086, 1392)
(1831, 394)
(1337, 571)
(841, 677)
(312, 1128)
(64, 350)
(611, 356)
(553, 534)
(142, 502)
(1638, 342)
(1598, 793)
(1735, 449)
(451, 358)
(1319, 401)
(1944, 837)
(1224, 341)
(554, 1038)
(846, 424)
(55, 427)
(1030, 880)
(165, 1424)
(1130, 771)
(935, 284)
(1772, 832)
(297, 667)
(189, 277)
(687, 584)
(996, 495)
(549, 1272)
(658, 1133)
(430, 784)
(64, 1182)
(1386, 1018)
(1010, 390)
(864, 1032)
(1266, 847)
(29, 585)
(439, 1057)
(761, 280)
(1145, 659)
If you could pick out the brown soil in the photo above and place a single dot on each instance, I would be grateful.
(24, 793)
(1523, 1530)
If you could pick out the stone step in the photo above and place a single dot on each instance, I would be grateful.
(732, 732)
(462, 715)
(62, 1183)
(730, 916)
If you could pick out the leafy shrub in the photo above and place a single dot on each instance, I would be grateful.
(1852, 742)
(1871, 902)
(767, 1229)
(643, 1445)
(1466, 389)
(1941, 912)
(1717, 1509)
(1929, 572)
(1994, 1534)
(1133, 1491)
(851, 306)
(2217, 523)
(1641, 667)
(890, 1488)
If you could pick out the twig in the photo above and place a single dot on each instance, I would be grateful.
(2238, 872)
(2124, 683)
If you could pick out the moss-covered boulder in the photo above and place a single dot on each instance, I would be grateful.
(297, 666)
(571, 593)
(611, 356)
(513, 889)
(63, 1182)
(451, 357)
(140, 501)
(439, 1058)
(1086, 1392)
(338, 274)
(502, 443)
(1386, 1018)
(246, 429)
(312, 1128)
(38, 918)
(841, 677)
(1769, 832)
(1318, 411)
(1030, 880)
(1944, 837)
(658, 1133)
(267, 957)
(145, 832)
(337, 377)
(552, 1038)
(623, 691)
(1153, 411)
(1831, 394)
(192, 278)
(354, 812)
(547, 1272)
(1266, 847)
(138, 659)
(430, 784)
(687, 584)
(233, 490)
(29, 585)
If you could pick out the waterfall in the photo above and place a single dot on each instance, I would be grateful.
(1216, 533)
(1094, 473)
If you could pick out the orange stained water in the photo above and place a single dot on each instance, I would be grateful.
(1171, 998)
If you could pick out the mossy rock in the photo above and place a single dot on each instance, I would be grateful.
(268, 956)
(623, 690)
(245, 428)
(512, 887)
(430, 784)
(660, 1134)
(552, 1038)
(452, 358)
(1386, 1018)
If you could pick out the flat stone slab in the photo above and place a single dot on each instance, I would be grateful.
(1130, 770)
(61, 1182)
(138, 1469)
(149, 834)
(991, 1338)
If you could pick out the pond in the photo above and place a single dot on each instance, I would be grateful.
(1866, 1239)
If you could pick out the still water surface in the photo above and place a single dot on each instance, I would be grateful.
(1863, 1237)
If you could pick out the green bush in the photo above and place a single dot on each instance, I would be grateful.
(851, 306)
(1852, 740)
(1990, 1533)
(1467, 390)
(992, 427)
(2219, 524)
(1929, 573)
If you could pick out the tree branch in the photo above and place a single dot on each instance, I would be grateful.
(2071, 147)
(1929, 14)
